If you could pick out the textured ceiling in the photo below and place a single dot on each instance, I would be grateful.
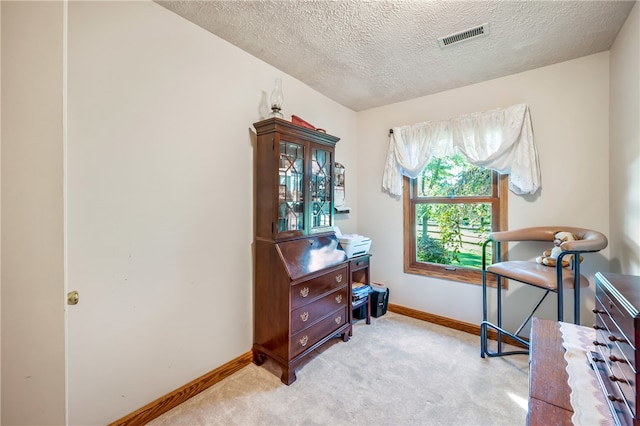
(365, 54)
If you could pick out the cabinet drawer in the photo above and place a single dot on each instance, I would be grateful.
(309, 314)
(307, 291)
(357, 263)
(626, 383)
(312, 335)
(620, 316)
(608, 336)
(617, 353)
(619, 402)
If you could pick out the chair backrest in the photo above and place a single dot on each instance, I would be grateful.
(588, 239)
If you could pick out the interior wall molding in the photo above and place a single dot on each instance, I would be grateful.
(450, 323)
(173, 399)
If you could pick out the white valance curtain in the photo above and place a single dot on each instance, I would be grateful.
(500, 139)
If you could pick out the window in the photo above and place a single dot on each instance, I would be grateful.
(449, 210)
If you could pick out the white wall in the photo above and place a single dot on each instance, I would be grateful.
(33, 381)
(160, 200)
(569, 109)
(624, 185)
(160, 195)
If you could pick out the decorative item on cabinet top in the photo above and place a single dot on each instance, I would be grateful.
(277, 98)
(299, 121)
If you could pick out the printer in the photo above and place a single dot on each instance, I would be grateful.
(353, 244)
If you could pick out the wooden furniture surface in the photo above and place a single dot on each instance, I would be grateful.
(302, 289)
(549, 391)
(294, 169)
(359, 272)
(617, 335)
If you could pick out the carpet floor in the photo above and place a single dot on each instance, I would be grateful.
(396, 371)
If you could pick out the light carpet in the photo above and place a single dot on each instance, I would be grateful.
(396, 371)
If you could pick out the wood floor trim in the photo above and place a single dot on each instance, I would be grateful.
(171, 400)
(450, 323)
(178, 396)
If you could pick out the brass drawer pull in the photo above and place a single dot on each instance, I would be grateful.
(304, 316)
(338, 319)
(304, 291)
(596, 343)
(617, 379)
(617, 339)
(616, 359)
(304, 340)
(339, 298)
(598, 311)
(339, 278)
(599, 327)
(614, 399)
(596, 359)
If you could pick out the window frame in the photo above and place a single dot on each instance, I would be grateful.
(499, 204)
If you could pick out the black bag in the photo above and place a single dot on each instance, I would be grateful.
(379, 302)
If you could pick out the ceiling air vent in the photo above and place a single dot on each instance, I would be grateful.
(480, 30)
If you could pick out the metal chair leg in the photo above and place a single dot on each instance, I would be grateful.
(484, 346)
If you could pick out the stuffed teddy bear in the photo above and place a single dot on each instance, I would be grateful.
(549, 257)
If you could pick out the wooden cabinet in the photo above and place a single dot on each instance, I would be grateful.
(294, 172)
(617, 336)
(302, 289)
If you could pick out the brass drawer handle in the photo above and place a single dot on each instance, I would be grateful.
(614, 358)
(617, 379)
(614, 399)
(596, 343)
(339, 278)
(304, 340)
(339, 298)
(598, 311)
(304, 316)
(338, 319)
(596, 359)
(304, 291)
(599, 327)
(617, 339)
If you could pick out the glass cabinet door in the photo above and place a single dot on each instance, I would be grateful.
(290, 191)
(321, 189)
